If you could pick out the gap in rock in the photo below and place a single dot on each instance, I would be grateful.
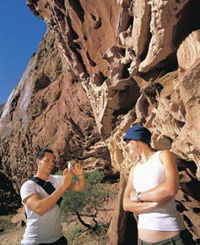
(99, 79)
(72, 35)
(189, 22)
(41, 83)
(125, 72)
(92, 63)
(167, 65)
(59, 14)
(77, 7)
(60, 3)
(127, 98)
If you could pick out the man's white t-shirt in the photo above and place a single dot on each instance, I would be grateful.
(146, 176)
(46, 228)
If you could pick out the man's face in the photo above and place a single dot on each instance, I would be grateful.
(131, 147)
(46, 164)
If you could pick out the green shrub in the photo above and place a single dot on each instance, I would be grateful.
(71, 234)
(95, 177)
(88, 202)
(5, 221)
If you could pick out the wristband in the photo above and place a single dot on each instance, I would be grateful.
(137, 196)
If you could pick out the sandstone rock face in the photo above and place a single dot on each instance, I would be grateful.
(101, 67)
(1, 109)
(48, 108)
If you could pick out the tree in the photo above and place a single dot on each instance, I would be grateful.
(88, 202)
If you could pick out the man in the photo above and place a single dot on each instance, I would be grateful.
(43, 225)
(152, 184)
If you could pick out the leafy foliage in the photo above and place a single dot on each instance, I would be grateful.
(91, 198)
(71, 235)
(95, 177)
(5, 221)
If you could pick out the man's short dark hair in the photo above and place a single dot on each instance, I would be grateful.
(41, 153)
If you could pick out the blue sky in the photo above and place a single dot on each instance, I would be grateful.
(20, 34)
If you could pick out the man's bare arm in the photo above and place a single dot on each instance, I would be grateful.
(41, 205)
(169, 187)
(135, 206)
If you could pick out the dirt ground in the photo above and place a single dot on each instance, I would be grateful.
(75, 233)
(13, 236)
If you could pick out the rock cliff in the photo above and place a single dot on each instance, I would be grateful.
(101, 67)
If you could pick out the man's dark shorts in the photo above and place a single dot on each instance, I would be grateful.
(61, 241)
(184, 238)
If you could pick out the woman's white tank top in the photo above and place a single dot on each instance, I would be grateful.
(145, 177)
